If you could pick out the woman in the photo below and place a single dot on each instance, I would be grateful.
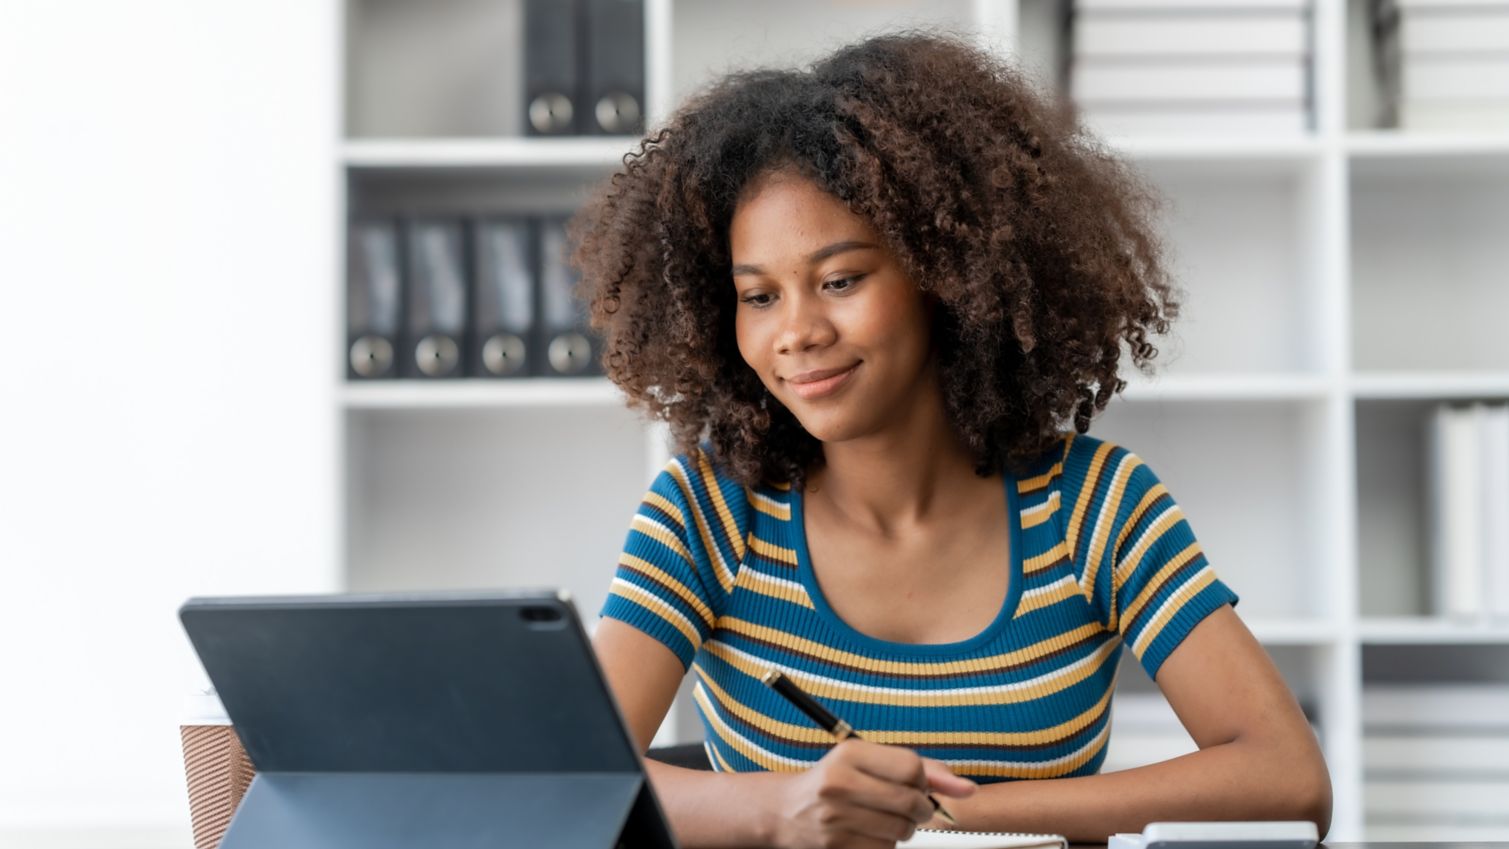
(868, 298)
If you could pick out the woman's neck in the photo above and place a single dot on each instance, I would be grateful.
(899, 478)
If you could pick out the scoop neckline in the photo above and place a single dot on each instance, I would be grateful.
(1004, 615)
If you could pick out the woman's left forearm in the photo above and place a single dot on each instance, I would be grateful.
(1240, 780)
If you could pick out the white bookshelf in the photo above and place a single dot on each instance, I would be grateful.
(543, 393)
(593, 153)
(1429, 385)
(1431, 631)
(1337, 285)
(1232, 386)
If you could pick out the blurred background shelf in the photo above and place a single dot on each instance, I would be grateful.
(481, 394)
(1415, 630)
(1396, 144)
(603, 153)
(1429, 385)
(1230, 156)
(1385, 157)
(1227, 387)
(1320, 633)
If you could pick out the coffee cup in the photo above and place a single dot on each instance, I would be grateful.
(216, 767)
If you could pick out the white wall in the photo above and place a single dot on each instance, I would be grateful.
(168, 222)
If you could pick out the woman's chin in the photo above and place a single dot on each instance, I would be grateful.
(831, 429)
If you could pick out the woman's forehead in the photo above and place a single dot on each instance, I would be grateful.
(789, 215)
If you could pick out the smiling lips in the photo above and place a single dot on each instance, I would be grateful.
(815, 384)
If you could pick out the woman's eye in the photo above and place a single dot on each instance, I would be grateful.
(758, 299)
(843, 284)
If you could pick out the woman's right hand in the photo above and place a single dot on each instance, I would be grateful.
(861, 795)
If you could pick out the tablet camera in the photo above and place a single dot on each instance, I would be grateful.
(541, 617)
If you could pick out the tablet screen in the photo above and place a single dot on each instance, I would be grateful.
(421, 683)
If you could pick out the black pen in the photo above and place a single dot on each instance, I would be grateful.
(840, 730)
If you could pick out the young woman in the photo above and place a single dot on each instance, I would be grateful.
(869, 299)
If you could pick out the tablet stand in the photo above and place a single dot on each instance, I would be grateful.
(446, 811)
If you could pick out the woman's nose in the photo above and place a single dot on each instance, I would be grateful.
(804, 326)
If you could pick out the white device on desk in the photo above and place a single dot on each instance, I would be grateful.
(1220, 835)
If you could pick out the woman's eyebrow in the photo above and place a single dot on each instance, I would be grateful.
(815, 257)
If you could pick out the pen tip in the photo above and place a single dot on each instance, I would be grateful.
(941, 811)
(771, 676)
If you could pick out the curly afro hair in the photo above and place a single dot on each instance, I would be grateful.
(1034, 241)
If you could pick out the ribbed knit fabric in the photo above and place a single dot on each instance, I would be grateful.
(1101, 556)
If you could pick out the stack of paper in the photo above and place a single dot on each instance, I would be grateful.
(1183, 67)
(1436, 762)
(1467, 487)
(1444, 64)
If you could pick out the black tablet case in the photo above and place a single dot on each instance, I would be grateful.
(436, 721)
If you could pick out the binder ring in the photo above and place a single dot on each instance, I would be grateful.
(503, 354)
(437, 355)
(569, 353)
(618, 112)
(371, 356)
(550, 112)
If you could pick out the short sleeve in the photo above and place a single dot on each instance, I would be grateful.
(1140, 564)
(677, 568)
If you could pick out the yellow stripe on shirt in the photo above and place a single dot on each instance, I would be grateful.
(1081, 508)
(1034, 769)
(1105, 517)
(999, 694)
(771, 551)
(714, 551)
(720, 506)
(756, 581)
(1153, 584)
(653, 603)
(663, 535)
(669, 581)
(769, 506)
(1191, 588)
(809, 734)
(917, 669)
(766, 760)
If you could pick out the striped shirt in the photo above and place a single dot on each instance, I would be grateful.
(1101, 557)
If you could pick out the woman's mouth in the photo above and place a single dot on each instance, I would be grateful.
(820, 383)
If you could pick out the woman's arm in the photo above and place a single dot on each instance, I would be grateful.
(644, 676)
(861, 795)
(1258, 758)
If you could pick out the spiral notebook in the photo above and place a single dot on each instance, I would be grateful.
(927, 838)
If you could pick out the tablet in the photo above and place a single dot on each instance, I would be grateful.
(442, 719)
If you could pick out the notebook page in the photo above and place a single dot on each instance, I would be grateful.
(931, 839)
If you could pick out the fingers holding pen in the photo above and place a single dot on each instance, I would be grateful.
(857, 793)
(860, 789)
(903, 798)
(942, 780)
(902, 766)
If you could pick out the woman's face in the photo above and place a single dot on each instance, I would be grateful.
(826, 317)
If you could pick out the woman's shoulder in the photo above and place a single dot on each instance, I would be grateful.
(1084, 452)
(1080, 464)
(1095, 473)
(702, 482)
